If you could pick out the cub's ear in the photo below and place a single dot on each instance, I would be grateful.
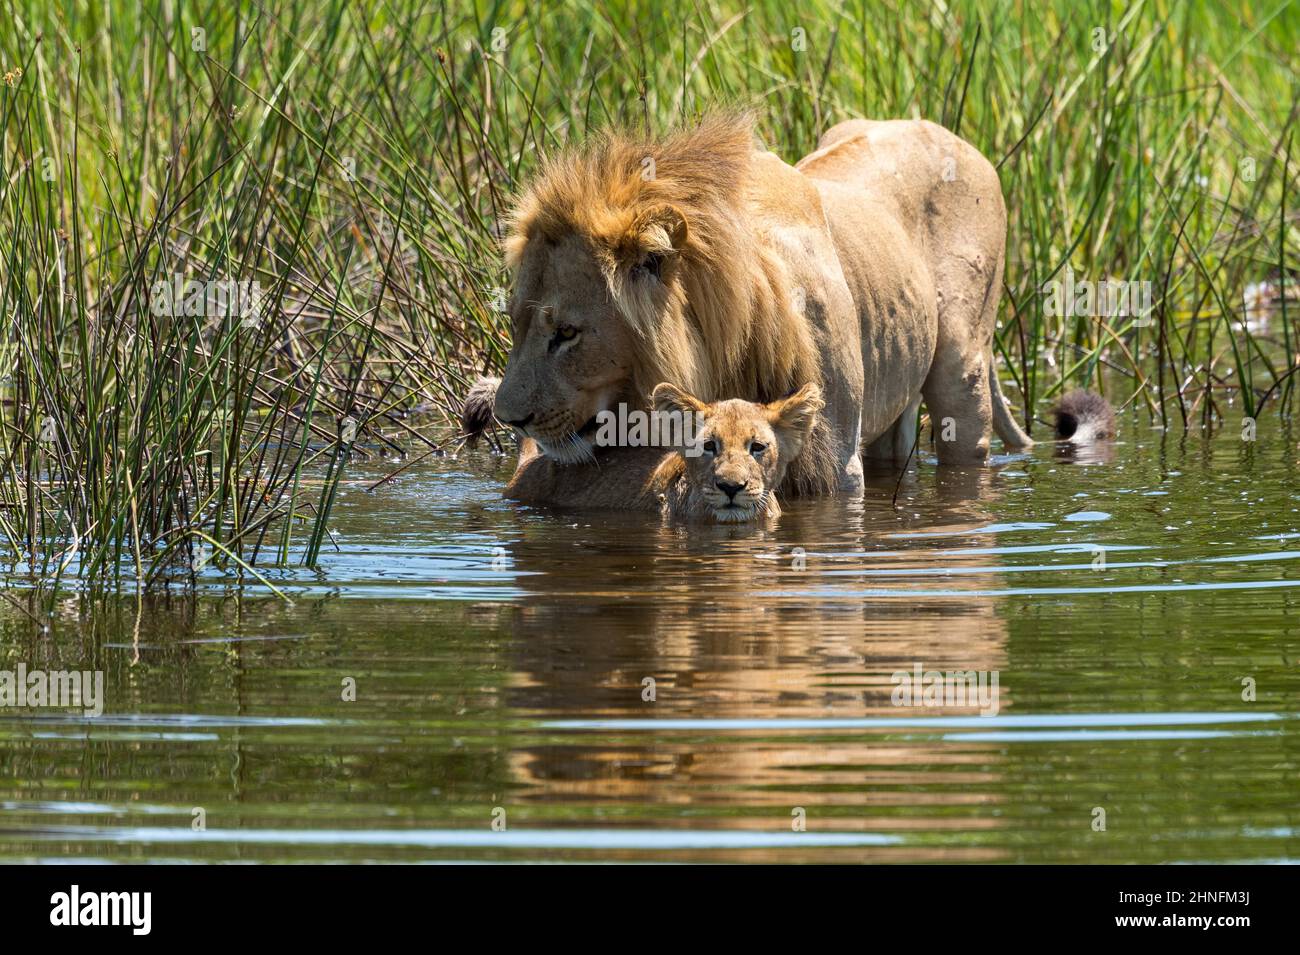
(797, 413)
(668, 397)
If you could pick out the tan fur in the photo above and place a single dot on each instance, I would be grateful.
(872, 269)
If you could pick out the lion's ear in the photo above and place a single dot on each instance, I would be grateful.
(668, 397)
(796, 414)
(661, 229)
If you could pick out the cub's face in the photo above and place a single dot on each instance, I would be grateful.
(739, 462)
(741, 450)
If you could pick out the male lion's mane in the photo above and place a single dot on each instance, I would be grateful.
(723, 324)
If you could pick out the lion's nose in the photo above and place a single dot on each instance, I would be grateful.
(521, 423)
(729, 489)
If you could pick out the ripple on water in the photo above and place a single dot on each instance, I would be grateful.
(625, 690)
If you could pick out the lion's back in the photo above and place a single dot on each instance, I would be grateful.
(928, 172)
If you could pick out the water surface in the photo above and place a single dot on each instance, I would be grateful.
(1130, 605)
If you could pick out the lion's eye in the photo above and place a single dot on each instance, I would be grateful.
(652, 264)
(710, 447)
(563, 333)
(756, 448)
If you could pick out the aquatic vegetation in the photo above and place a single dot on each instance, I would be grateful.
(244, 247)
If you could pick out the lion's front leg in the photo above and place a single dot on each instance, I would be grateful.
(961, 412)
(617, 479)
(535, 476)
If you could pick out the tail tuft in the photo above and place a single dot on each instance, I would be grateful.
(1084, 416)
(476, 413)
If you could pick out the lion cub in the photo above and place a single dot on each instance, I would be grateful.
(740, 452)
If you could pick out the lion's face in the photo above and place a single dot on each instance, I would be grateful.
(743, 449)
(574, 346)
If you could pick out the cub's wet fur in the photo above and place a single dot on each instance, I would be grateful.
(744, 451)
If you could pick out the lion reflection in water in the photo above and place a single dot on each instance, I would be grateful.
(728, 628)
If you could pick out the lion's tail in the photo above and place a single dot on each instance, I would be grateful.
(1083, 417)
(1012, 435)
(476, 413)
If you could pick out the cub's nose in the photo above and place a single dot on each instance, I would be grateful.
(729, 489)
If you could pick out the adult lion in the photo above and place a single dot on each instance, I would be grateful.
(873, 268)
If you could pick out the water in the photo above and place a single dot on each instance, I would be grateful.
(499, 656)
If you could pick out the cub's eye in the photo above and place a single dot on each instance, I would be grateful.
(710, 447)
(756, 448)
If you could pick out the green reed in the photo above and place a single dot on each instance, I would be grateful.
(357, 160)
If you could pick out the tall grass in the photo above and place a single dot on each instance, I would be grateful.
(356, 160)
